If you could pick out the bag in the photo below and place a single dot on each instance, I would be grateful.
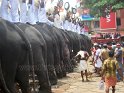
(101, 85)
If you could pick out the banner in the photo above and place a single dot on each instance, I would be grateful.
(108, 22)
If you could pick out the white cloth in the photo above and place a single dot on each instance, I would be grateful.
(69, 26)
(57, 22)
(83, 65)
(66, 24)
(98, 63)
(49, 22)
(82, 31)
(30, 14)
(112, 36)
(23, 12)
(42, 15)
(82, 53)
(75, 28)
(78, 29)
(101, 85)
(62, 25)
(5, 10)
(14, 10)
(72, 27)
(36, 14)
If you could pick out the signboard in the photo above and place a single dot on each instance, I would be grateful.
(87, 17)
(108, 22)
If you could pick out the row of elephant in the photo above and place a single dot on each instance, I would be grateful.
(39, 49)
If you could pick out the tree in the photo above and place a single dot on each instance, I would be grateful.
(102, 7)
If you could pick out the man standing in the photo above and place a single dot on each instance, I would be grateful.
(23, 11)
(104, 53)
(109, 68)
(118, 55)
(5, 10)
(57, 22)
(30, 13)
(14, 10)
(83, 63)
(97, 60)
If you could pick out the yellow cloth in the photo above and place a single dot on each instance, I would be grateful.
(110, 66)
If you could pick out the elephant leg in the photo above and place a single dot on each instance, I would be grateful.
(22, 74)
(58, 70)
(52, 75)
(63, 69)
(41, 71)
(10, 79)
(22, 78)
(45, 86)
(42, 75)
(11, 85)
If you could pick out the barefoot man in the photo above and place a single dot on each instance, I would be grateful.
(83, 63)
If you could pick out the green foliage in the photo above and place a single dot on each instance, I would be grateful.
(98, 7)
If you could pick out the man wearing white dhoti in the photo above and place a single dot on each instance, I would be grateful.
(5, 10)
(78, 28)
(23, 11)
(40, 12)
(83, 56)
(97, 60)
(69, 25)
(57, 21)
(82, 30)
(65, 25)
(14, 10)
(30, 14)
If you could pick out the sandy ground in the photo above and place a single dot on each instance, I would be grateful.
(73, 84)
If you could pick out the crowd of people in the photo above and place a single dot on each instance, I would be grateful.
(108, 62)
(34, 11)
(110, 35)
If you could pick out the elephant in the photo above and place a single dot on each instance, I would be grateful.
(15, 52)
(52, 51)
(39, 49)
(58, 39)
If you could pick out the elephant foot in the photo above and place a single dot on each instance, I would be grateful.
(59, 75)
(45, 91)
(64, 74)
(53, 82)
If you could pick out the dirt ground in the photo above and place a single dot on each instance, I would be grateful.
(73, 84)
